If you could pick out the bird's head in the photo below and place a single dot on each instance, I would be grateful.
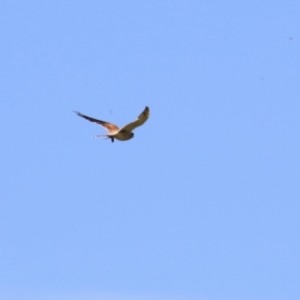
(132, 135)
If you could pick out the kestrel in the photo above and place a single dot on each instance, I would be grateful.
(114, 132)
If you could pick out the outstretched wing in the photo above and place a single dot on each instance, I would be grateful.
(109, 126)
(142, 118)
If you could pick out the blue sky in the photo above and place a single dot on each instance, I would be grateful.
(203, 203)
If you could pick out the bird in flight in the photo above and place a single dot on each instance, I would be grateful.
(114, 132)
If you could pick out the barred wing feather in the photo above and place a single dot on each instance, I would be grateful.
(142, 118)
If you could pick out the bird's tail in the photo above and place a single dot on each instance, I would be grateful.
(99, 135)
(107, 136)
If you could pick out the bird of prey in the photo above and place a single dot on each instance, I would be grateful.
(114, 132)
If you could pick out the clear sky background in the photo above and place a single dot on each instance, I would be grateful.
(203, 203)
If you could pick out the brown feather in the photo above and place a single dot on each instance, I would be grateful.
(109, 126)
